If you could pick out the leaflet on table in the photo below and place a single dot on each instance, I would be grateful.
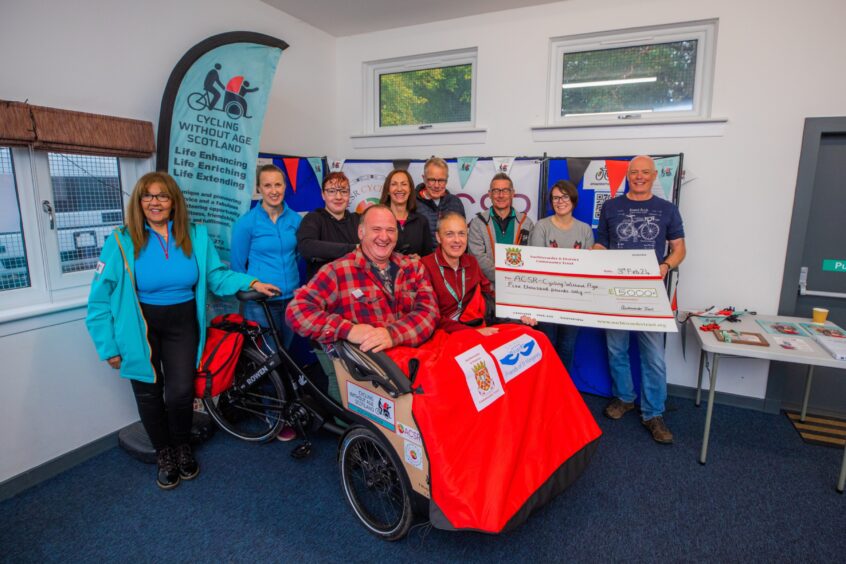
(793, 344)
(604, 289)
(836, 346)
(782, 328)
(824, 330)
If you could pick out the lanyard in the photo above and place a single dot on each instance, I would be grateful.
(162, 244)
(452, 292)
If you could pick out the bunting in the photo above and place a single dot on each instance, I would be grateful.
(576, 169)
(465, 169)
(616, 174)
(317, 167)
(667, 168)
(503, 164)
(291, 166)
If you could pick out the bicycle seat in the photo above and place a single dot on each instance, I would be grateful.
(377, 368)
(250, 296)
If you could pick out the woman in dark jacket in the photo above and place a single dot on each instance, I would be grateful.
(414, 237)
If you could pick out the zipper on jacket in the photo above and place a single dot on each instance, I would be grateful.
(137, 304)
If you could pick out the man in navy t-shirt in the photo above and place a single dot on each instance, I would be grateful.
(641, 220)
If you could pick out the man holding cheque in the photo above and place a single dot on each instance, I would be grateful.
(640, 220)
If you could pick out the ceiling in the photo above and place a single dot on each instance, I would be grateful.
(339, 18)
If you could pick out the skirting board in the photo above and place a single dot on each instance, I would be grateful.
(17, 484)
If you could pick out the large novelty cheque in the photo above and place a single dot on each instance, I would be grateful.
(614, 289)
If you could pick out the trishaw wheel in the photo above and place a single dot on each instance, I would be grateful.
(234, 110)
(255, 413)
(375, 484)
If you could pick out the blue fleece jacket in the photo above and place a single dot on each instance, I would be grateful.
(114, 318)
(268, 250)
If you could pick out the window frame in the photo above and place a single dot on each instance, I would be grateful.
(374, 69)
(48, 285)
(704, 31)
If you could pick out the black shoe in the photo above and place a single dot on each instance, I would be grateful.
(168, 476)
(188, 467)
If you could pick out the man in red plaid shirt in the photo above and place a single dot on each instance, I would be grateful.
(372, 297)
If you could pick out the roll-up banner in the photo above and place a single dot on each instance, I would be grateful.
(210, 124)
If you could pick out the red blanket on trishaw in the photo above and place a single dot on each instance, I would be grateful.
(504, 428)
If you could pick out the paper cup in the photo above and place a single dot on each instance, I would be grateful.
(820, 314)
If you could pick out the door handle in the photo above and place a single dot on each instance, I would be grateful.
(47, 207)
(804, 291)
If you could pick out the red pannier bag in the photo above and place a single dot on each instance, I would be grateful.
(224, 341)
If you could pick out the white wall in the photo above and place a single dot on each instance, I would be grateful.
(777, 63)
(115, 58)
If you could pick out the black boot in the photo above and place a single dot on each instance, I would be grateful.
(188, 467)
(168, 476)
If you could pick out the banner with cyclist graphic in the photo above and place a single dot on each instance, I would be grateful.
(211, 122)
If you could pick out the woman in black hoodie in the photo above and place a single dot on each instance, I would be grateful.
(330, 232)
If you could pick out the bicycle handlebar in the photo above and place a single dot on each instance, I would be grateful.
(251, 296)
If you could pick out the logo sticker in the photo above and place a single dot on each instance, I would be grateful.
(516, 356)
(513, 256)
(413, 455)
(100, 267)
(408, 433)
(481, 376)
(373, 406)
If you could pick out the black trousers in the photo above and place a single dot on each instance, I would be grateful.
(166, 406)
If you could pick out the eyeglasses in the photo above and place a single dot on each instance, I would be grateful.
(160, 197)
(500, 191)
(332, 192)
(436, 180)
(560, 199)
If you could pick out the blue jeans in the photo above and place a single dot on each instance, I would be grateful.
(255, 312)
(563, 338)
(653, 371)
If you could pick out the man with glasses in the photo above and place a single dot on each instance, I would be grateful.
(329, 232)
(499, 224)
(640, 220)
(433, 198)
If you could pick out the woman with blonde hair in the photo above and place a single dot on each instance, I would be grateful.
(146, 313)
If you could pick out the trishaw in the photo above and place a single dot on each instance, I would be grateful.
(473, 432)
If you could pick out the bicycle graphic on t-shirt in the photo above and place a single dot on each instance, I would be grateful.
(643, 228)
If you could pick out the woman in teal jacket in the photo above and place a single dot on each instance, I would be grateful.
(146, 313)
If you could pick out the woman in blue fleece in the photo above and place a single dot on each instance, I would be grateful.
(264, 245)
(146, 313)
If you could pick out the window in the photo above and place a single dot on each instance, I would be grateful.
(435, 91)
(87, 205)
(14, 272)
(56, 211)
(645, 74)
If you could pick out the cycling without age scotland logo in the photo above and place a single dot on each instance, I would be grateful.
(372, 406)
(517, 356)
